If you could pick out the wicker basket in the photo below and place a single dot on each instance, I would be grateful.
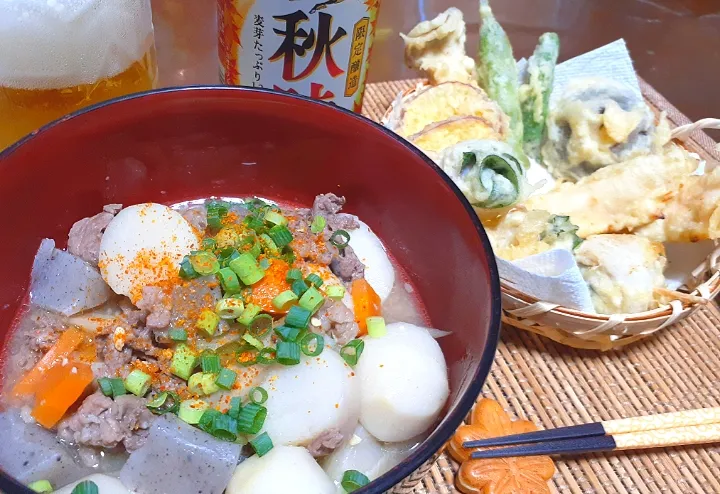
(598, 331)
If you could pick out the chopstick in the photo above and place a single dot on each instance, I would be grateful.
(608, 435)
(661, 438)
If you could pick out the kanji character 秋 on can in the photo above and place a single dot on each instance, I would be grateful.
(315, 48)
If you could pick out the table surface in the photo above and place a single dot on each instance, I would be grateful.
(675, 43)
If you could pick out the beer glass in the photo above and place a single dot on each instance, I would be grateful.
(58, 56)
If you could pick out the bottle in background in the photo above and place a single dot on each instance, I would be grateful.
(59, 56)
(317, 48)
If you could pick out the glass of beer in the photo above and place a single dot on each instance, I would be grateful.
(58, 56)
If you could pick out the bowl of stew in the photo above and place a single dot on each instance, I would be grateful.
(234, 290)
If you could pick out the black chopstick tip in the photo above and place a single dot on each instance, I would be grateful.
(563, 446)
(574, 431)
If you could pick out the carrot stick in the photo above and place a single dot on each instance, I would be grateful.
(367, 303)
(66, 344)
(66, 383)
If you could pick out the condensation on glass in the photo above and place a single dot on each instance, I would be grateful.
(315, 48)
(59, 56)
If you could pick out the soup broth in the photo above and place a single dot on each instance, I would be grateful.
(248, 337)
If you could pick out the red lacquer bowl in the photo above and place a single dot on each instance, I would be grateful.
(187, 143)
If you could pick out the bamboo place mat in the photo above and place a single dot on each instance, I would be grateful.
(553, 385)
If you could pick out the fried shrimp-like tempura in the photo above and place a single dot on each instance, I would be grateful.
(623, 197)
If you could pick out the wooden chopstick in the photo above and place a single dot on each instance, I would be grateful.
(659, 438)
(686, 418)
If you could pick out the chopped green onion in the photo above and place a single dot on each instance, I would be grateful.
(318, 224)
(266, 356)
(208, 244)
(226, 378)
(275, 218)
(252, 418)
(187, 272)
(281, 235)
(41, 486)
(235, 407)
(340, 239)
(299, 287)
(298, 317)
(258, 395)
(227, 237)
(207, 419)
(314, 279)
(192, 410)
(86, 487)
(248, 356)
(223, 427)
(311, 300)
(226, 255)
(376, 326)
(177, 334)
(210, 363)
(247, 268)
(352, 351)
(253, 341)
(208, 322)
(264, 264)
(228, 352)
(204, 262)
(165, 402)
(287, 333)
(335, 292)
(138, 382)
(112, 387)
(268, 244)
(261, 325)
(283, 301)
(228, 281)
(307, 342)
(353, 480)
(183, 362)
(262, 444)
(250, 312)
(202, 383)
(288, 256)
(229, 308)
(288, 353)
(216, 211)
(293, 275)
(194, 383)
(254, 223)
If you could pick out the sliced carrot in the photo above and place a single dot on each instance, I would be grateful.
(65, 384)
(69, 340)
(367, 303)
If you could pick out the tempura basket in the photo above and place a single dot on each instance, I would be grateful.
(605, 332)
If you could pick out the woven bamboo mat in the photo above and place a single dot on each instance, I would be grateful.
(554, 386)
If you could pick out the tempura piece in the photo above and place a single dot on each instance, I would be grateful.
(692, 215)
(440, 136)
(487, 173)
(622, 272)
(596, 123)
(522, 233)
(436, 48)
(422, 107)
(620, 198)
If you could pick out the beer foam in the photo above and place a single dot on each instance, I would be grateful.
(48, 44)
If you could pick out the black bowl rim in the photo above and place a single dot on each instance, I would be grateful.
(442, 434)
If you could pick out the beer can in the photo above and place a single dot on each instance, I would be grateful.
(316, 48)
